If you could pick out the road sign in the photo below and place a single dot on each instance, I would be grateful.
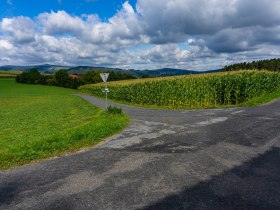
(104, 76)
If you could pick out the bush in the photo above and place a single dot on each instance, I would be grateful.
(50, 81)
(114, 110)
(62, 79)
(32, 76)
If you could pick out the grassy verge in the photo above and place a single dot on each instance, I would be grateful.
(264, 98)
(38, 122)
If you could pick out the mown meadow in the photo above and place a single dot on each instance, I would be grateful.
(9, 74)
(194, 91)
(39, 122)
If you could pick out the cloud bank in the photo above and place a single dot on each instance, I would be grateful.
(201, 34)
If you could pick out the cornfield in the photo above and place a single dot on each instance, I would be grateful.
(206, 90)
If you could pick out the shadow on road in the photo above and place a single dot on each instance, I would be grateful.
(7, 193)
(253, 185)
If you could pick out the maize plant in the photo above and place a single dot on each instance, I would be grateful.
(205, 90)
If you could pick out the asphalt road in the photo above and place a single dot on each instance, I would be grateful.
(200, 159)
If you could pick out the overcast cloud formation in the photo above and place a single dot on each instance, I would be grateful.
(188, 34)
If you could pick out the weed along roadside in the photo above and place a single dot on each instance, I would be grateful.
(114, 110)
(39, 122)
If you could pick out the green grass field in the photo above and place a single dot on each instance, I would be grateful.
(39, 122)
(9, 74)
(215, 90)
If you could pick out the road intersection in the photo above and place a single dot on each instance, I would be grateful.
(165, 159)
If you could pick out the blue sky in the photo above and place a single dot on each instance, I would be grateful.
(139, 34)
(31, 8)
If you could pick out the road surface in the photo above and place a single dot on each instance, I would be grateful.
(197, 159)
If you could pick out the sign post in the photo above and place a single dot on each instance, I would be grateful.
(104, 77)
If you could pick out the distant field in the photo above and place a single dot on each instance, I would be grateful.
(9, 74)
(194, 91)
(38, 122)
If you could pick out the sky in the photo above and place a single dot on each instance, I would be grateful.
(139, 34)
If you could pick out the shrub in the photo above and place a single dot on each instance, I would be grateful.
(114, 110)
(32, 76)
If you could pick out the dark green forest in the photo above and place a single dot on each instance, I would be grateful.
(271, 65)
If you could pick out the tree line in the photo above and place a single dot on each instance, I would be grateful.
(93, 77)
(271, 65)
(63, 79)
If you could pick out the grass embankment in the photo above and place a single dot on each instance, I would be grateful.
(38, 122)
(195, 91)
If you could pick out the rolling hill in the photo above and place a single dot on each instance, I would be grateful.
(51, 69)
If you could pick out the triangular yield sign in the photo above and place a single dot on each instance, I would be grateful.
(104, 76)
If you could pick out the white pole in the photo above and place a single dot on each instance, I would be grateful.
(106, 95)
(104, 77)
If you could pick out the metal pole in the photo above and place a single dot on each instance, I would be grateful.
(104, 77)
(106, 95)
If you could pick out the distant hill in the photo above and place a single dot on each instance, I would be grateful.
(45, 68)
(84, 69)
(271, 65)
(139, 73)
(167, 72)
(51, 69)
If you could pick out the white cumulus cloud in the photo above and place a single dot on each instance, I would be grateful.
(201, 34)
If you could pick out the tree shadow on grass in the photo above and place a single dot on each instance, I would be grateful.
(253, 185)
